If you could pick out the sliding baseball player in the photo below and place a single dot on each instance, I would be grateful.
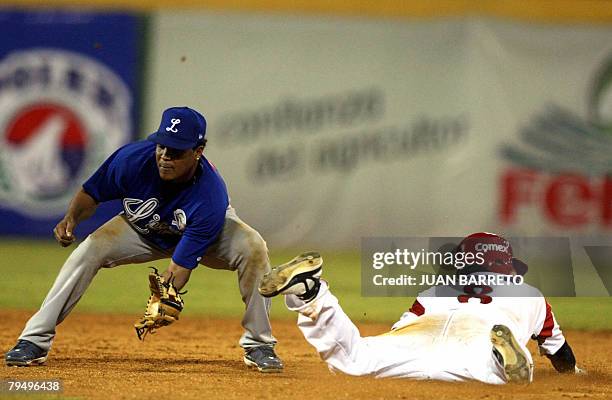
(455, 335)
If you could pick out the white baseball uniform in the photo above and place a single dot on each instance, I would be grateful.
(444, 338)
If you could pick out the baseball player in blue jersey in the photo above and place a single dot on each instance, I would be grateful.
(175, 205)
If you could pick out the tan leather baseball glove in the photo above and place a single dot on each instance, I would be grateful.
(163, 308)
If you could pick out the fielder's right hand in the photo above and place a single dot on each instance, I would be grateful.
(63, 232)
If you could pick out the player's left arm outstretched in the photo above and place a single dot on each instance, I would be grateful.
(552, 342)
(165, 302)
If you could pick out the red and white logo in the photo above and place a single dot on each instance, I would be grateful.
(61, 115)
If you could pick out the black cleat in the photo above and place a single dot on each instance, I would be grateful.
(24, 354)
(263, 358)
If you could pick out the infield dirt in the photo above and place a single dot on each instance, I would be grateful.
(99, 356)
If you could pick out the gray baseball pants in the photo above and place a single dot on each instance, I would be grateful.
(239, 248)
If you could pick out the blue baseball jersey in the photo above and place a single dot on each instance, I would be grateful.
(187, 217)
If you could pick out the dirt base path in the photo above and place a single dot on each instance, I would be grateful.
(99, 356)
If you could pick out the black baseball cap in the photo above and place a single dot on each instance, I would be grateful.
(181, 128)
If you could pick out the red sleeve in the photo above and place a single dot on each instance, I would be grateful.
(409, 316)
(550, 338)
(548, 326)
(417, 308)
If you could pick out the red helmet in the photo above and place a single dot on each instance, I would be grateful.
(496, 253)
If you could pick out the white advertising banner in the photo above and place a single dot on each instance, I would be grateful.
(328, 130)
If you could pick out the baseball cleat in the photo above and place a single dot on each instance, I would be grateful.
(263, 358)
(300, 276)
(25, 354)
(517, 366)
